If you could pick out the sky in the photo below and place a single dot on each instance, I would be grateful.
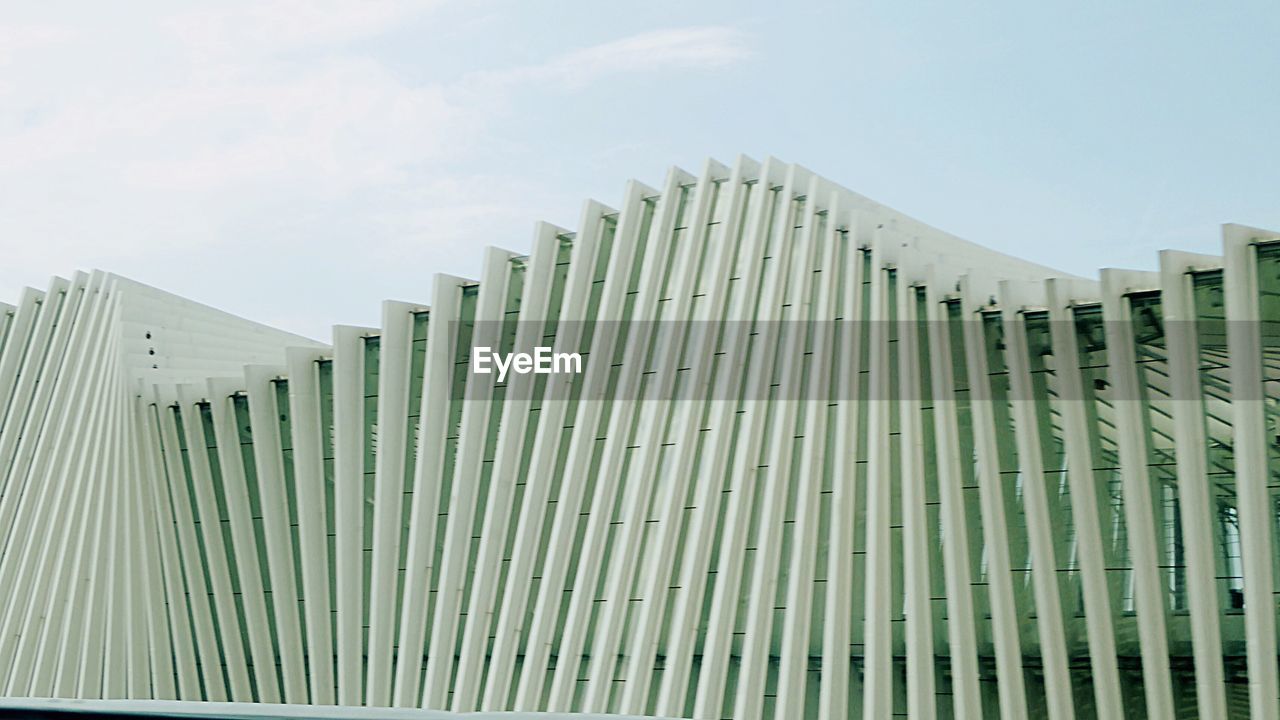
(297, 162)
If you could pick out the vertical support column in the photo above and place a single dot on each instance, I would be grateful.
(103, 663)
(473, 433)
(878, 656)
(826, 358)
(197, 591)
(137, 660)
(394, 359)
(961, 632)
(28, 564)
(588, 247)
(428, 481)
(308, 472)
(1197, 511)
(650, 351)
(535, 315)
(1135, 479)
(1256, 507)
(717, 650)
(1084, 503)
(1044, 567)
(348, 481)
(235, 495)
(594, 415)
(215, 553)
(161, 645)
(755, 197)
(699, 249)
(177, 596)
(749, 201)
(833, 697)
(796, 319)
(1004, 621)
(921, 701)
(82, 608)
(269, 466)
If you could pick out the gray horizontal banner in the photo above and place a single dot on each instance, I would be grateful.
(833, 360)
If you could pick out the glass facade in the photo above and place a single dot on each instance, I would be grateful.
(821, 461)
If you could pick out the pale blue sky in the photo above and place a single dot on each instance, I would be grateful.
(297, 162)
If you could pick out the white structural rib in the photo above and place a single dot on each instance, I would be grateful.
(1178, 303)
(1016, 300)
(1080, 461)
(914, 497)
(1130, 408)
(995, 527)
(518, 415)
(821, 461)
(1253, 422)
(618, 577)
(961, 629)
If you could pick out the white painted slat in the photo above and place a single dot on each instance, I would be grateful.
(1015, 300)
(1136, 483)
(635, 432)
(840, 600)
(772, 226)
(235, 496)
(961, 631)
(394, 360)
(757, 642)
(668, 421)
(25, 563)
(1084, 498)
(1197, 512)
(464, 490)
(533, 318)
(548, 440)
(272, 497)
(814, 452)
(917, 590)
(182, 632)
(225, 616)
(877, 700)
(748, 236)
(427, 483)
(313, 519)
(1256, 507)
(587, 422)
(349, 440)
(1004, 622)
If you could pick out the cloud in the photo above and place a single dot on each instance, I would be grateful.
(272, 28)
(680, 48)
(187, 148)
(17, 39)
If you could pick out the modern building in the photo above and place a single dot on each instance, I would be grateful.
(821, 460)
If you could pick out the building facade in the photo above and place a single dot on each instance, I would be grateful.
(821, 460)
